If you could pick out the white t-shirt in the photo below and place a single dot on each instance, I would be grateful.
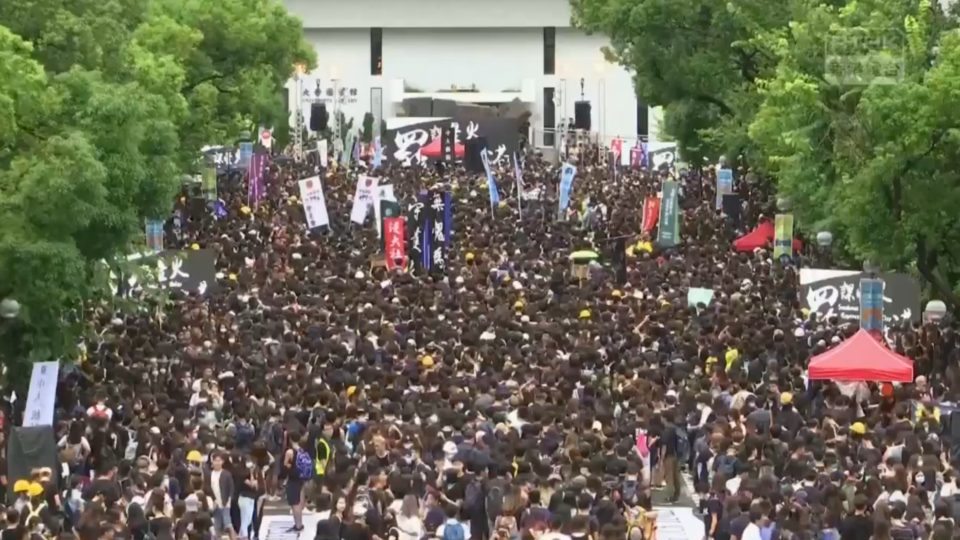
(410, 528)
(215, 486)
(752, 532)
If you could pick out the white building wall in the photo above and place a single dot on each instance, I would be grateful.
(431, 13)
(433, 59)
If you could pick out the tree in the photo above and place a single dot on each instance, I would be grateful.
(104, 104)
(876, 161)
(699, 59)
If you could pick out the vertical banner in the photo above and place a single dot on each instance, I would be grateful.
(447, 218)
(518, 176)
(638, 156)
(314, 203)
(255, 187)
(732, 209)
(491, 181)
(724, 185)
(395, 243)
(390, 208)
(567, 173)
(155, 235)
(871, 304)
(363, 197)
(246, 152)
(447, 142)
(208, 182)
(438, 242)
(612, 165)
(382, 193)
(323, 150)
(416, 222)
(377, 153)
(42, 395)
(783, 236)
(651, 213)
(616, 146)
(347, 154)
(668, 233)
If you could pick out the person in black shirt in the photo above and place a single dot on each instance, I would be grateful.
(858, 526)
(671, 461)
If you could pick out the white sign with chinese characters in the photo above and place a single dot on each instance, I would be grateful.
(363, 197)
(314, 203)
(42, 395)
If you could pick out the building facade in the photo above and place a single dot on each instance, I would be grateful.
(374, 54)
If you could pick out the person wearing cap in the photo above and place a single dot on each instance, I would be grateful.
(788, 417)
(21, 489)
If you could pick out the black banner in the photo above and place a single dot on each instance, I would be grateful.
(402, 145)
(418, 224)
(190, 270)
(447, 144)
(731, 208)
(837, 293)
(437, 216)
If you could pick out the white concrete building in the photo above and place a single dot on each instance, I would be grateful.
(376, 53)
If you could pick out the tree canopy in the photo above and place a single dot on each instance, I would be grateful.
(104, 105)
(848, 106)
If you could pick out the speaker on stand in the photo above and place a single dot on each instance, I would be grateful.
(581, 114)
(472, 149)
(318, 117)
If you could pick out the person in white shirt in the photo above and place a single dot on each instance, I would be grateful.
(757, 520)
(409, 524)
(220, 483)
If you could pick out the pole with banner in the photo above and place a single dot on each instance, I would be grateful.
(724, 185)
(871, 305)
(783, 236)
(668, 232)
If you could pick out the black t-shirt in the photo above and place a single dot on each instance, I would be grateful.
(105, 487)
(11, 534)
(714, 507)
(856, 528)
(669, 440)
(738, 524)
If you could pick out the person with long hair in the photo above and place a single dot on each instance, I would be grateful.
(409, 525)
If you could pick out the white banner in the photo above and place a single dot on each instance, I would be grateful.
(314, 203)
(382, 193)
(363, 198)
(322, 150)
(42, 395)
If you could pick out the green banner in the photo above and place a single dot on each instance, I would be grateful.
(783, 236)
(209, 183)
(668, 232)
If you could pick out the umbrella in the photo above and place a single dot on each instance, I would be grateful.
(584, 255)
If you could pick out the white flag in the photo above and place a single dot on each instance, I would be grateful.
(314, 203)
(322, 150)
(42, 395)
(363, 197)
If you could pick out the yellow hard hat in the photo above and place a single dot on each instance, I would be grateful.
(585, 314)
(616, 293)
(245, 210)
(34, 489)
(470, 256)
(858, 428)
(518, 304)
(786, 398)
(195, 247)
(351, 390)
(427, 361)
(21, 486)
(194, 456)
(232, 277)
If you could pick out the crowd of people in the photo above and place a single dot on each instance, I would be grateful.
(506, 398)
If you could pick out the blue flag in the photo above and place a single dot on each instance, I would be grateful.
(518, 175)
(447, 217)
(491, 182)
(567, 174)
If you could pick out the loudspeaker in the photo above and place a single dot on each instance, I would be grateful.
(444, 108)
(318, 117)
(582, 115)
(472, 160)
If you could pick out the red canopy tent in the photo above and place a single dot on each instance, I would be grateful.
(761, 237)
(434, 150)
(863, 357)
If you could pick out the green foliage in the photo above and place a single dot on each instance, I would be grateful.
(871, 159)
(103, 105)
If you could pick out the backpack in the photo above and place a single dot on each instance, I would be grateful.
(303, 463)
(494, 502)
(273, 438)
(473, 499)
(683, 444)
(244, 435)
(629, 492)
(453, 531)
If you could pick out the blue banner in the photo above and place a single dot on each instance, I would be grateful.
(246, 152)
(426, 232)
(567, 173)
(491, 181)
(724, 185)
(871, 304)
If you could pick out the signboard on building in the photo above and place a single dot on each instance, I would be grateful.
(402, 144)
